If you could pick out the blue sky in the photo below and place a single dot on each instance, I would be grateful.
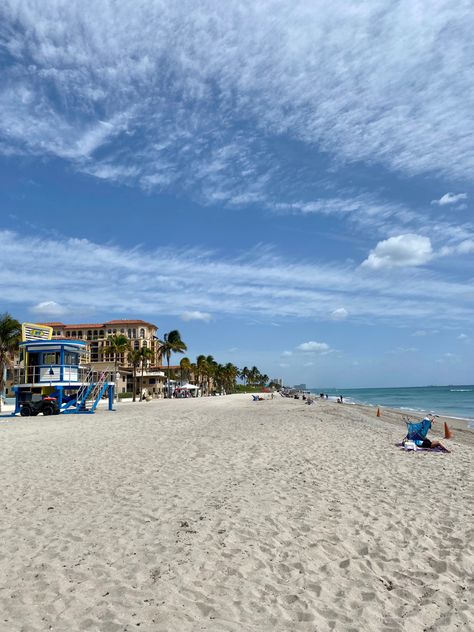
(288, 184)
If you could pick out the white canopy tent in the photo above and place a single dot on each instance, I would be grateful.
(188, 387)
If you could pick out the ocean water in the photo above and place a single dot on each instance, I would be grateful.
(452, 401)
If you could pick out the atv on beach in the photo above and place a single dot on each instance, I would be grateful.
(47, 406)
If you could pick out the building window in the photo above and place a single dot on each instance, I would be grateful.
(142, 333)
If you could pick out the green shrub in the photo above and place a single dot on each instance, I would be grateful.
(125, 395)
(248, 388)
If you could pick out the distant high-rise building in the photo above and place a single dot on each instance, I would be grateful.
(300, 387)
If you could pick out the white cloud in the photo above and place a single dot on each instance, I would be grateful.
(450, 198)
(49, 308)
(465, 247)
(448, 358)
(401, 251)
(403, 350)
(168, 281)
(462, 337)
(308, 364)
(314, 347)
(92, 89)
(419, 332)
(196, 315)
(340, 313)
(286, 354)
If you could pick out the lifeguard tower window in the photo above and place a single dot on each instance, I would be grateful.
(71, 358)
(51, 358)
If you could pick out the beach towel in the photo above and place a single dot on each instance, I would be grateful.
(410, 446)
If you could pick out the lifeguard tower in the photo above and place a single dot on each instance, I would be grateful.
(52, 370)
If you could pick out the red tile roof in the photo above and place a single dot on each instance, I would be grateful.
(123, 322)
(55, 324)
(84, 325)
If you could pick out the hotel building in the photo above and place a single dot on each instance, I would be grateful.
(100, 357)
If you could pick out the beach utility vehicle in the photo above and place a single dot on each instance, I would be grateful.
(47, 406)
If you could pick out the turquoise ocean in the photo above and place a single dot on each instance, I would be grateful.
(451, 401)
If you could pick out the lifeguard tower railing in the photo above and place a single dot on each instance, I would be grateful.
(50, 374)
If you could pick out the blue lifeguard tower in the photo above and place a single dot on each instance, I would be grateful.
(52, 369)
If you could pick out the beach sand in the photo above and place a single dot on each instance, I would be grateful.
(224, 514)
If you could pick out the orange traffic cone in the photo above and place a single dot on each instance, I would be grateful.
(447, 432)
(378, 412)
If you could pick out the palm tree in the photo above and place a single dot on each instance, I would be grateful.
(9, 338)
(185, 366)
(171, 343)
(134, 357)
(201, 368)
(244, 375)
(231, 373)
(211, 366)
(146, 355)
(253, 375)
(119, 344)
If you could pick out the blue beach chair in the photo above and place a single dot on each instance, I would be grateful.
(417, 430)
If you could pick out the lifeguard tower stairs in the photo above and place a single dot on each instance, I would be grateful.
(89, 395)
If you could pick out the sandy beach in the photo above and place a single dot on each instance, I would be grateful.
(229, 515)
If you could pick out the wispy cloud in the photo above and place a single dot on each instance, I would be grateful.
(464, 247)
(340, 313)
(450, 198)
(314, 347)
(176, 95)
(169, 281)
(196, 315)
(49, 308)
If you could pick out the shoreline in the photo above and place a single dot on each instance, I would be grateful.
(356, 396)
(391, 415)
